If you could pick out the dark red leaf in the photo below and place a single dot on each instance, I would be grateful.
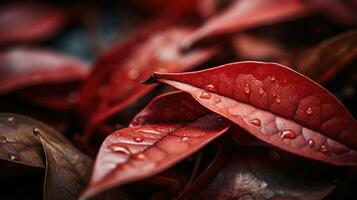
(67, 169)
(20, 68)
(26, 22)
(262, 173)
(116, 79)
(152, 146)
(276, 105)
(244, 14)
(323, 61)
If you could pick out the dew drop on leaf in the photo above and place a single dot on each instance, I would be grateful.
(311, 142)
(278, 100)
(138, 139)
(14, 157)
(247, 89)
(10, 119)
(139, 156)
(210, 87)
(272, 79)
(119, 149)
(205, 95)
(290, 134)
(308, 111)
(261, 91)
(323, 148)
(184, 138)
(256, 122)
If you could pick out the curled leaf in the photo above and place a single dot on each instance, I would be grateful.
(276, 105)
(30, 142)
(135, 153)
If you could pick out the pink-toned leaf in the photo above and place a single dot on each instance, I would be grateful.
(262, 173)
(151, 147)
(323, 61)
(26, 22)
(244, 14)
(20, 68)
(276, 105)
(116, 79)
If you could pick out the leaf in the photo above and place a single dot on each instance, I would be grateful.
(67, 169)
(262, 173)
(135, 153)
(21, 68)
(116, 79)
(244, 14)
(276, 105)
(323, 61)
(26, 22)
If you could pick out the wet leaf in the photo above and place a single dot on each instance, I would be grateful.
(276, 105)
(323, 61)
(24, 67)
(135, 153)
(116, 79)
(26, 22)
(262, 173)
(25, 141)
(244, 14)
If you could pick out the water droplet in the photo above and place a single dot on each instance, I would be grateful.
(14, 157)
(256, 122)
(290, 134)
(272, 79)
(133, 74)
(323, 148)
(139, 156)
(311, 143)
(149, 131)
(10, 119)
(184, 138)
(205, 95)
(3, 139)
(138, 139)
(261, 91)
(247, 89)
(119, 148)
(278, 100)
(210, 87)
(218, 99)
(274, 93)
(308, 111)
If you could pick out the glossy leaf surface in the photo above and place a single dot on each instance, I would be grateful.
(20, 68)
(276, 105)
(116, 79)
(135, 153)
(244, 14)
(67, 169)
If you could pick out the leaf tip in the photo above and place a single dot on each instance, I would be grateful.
(152, 79)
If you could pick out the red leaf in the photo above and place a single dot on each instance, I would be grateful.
(139, 152)
(20, 68)
(244, 14)
(116, 79)
(276, 105)
(25, 22)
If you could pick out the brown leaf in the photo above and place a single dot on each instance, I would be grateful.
(323, 61)
(67, 169)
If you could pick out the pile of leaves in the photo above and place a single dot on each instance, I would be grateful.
(216, 99)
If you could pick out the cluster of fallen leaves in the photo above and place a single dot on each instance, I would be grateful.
(252, 120)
